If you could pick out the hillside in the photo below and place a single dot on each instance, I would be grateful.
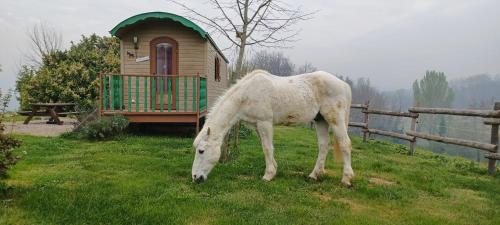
(146, 180)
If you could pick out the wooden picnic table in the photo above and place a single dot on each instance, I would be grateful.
(54, 110)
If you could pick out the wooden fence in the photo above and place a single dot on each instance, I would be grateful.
(492, 118)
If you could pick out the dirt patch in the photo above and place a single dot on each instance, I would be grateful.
(322, 196)
(244, 177)
(353, 205)
(40, 127)
(380, 181)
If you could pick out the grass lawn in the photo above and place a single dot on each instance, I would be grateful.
(147, 180)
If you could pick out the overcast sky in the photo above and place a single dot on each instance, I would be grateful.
(392, 42)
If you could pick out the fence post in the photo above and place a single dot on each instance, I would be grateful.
(413, 128)
(365, 120)
(494, 140)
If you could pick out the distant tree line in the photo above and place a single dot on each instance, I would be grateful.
(477, 92)
(277, 63)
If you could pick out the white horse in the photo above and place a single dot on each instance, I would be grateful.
(262, 99)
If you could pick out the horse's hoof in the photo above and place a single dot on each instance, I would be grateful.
(347, 184)
(268, 177)
(346, 179)
(313, 176)
(264, 178)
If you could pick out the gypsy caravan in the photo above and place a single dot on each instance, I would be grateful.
(171, 71)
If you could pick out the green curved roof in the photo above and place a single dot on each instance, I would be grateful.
(167, 16)
(158, 15)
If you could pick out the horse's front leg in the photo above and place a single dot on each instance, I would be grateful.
(265, 131)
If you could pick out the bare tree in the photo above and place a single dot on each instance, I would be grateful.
(245, 23)
(274, 62)
(363, 91)
(44, 40)
(306, 68)
(346, 79)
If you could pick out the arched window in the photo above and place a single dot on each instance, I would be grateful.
(217, 69)
(164, 59)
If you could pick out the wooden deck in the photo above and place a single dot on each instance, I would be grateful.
(159, 117)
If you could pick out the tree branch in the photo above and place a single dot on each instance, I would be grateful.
(212, 22)
(216, 2)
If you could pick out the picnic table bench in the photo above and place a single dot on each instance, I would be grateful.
(54, 110)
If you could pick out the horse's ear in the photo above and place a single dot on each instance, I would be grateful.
(208, 131)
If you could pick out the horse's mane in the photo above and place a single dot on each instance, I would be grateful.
(230, 91)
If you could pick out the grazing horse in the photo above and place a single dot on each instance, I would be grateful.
(262, 99)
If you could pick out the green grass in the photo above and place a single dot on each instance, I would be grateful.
(147, 180)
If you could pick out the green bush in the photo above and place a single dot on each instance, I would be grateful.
(7, 157)
(7, 144)
(245, 130)
(3, 188)
(70, 75)
(105, 128)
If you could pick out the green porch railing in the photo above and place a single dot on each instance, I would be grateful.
(203, 93)
(154, 94)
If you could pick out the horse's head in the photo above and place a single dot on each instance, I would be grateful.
(206, 156)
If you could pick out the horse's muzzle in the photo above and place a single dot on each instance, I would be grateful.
(198, 179)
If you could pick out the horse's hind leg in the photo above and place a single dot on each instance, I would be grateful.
(265, 131)
(336, 117)
(344, 143)
(323, 139)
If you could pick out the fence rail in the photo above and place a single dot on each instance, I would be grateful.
(457, 112)
(359, 106)
(391, 134)
(391, 113)
(357, 124)
(492, 118)
(454, 141)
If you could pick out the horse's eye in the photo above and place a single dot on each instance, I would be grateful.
(201, 151)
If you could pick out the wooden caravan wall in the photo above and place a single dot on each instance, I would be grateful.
(215, 88)
(191, 57)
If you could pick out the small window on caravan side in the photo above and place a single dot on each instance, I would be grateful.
(217, 69)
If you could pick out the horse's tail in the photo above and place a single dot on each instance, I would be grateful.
(336, 147)
(337, 153)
